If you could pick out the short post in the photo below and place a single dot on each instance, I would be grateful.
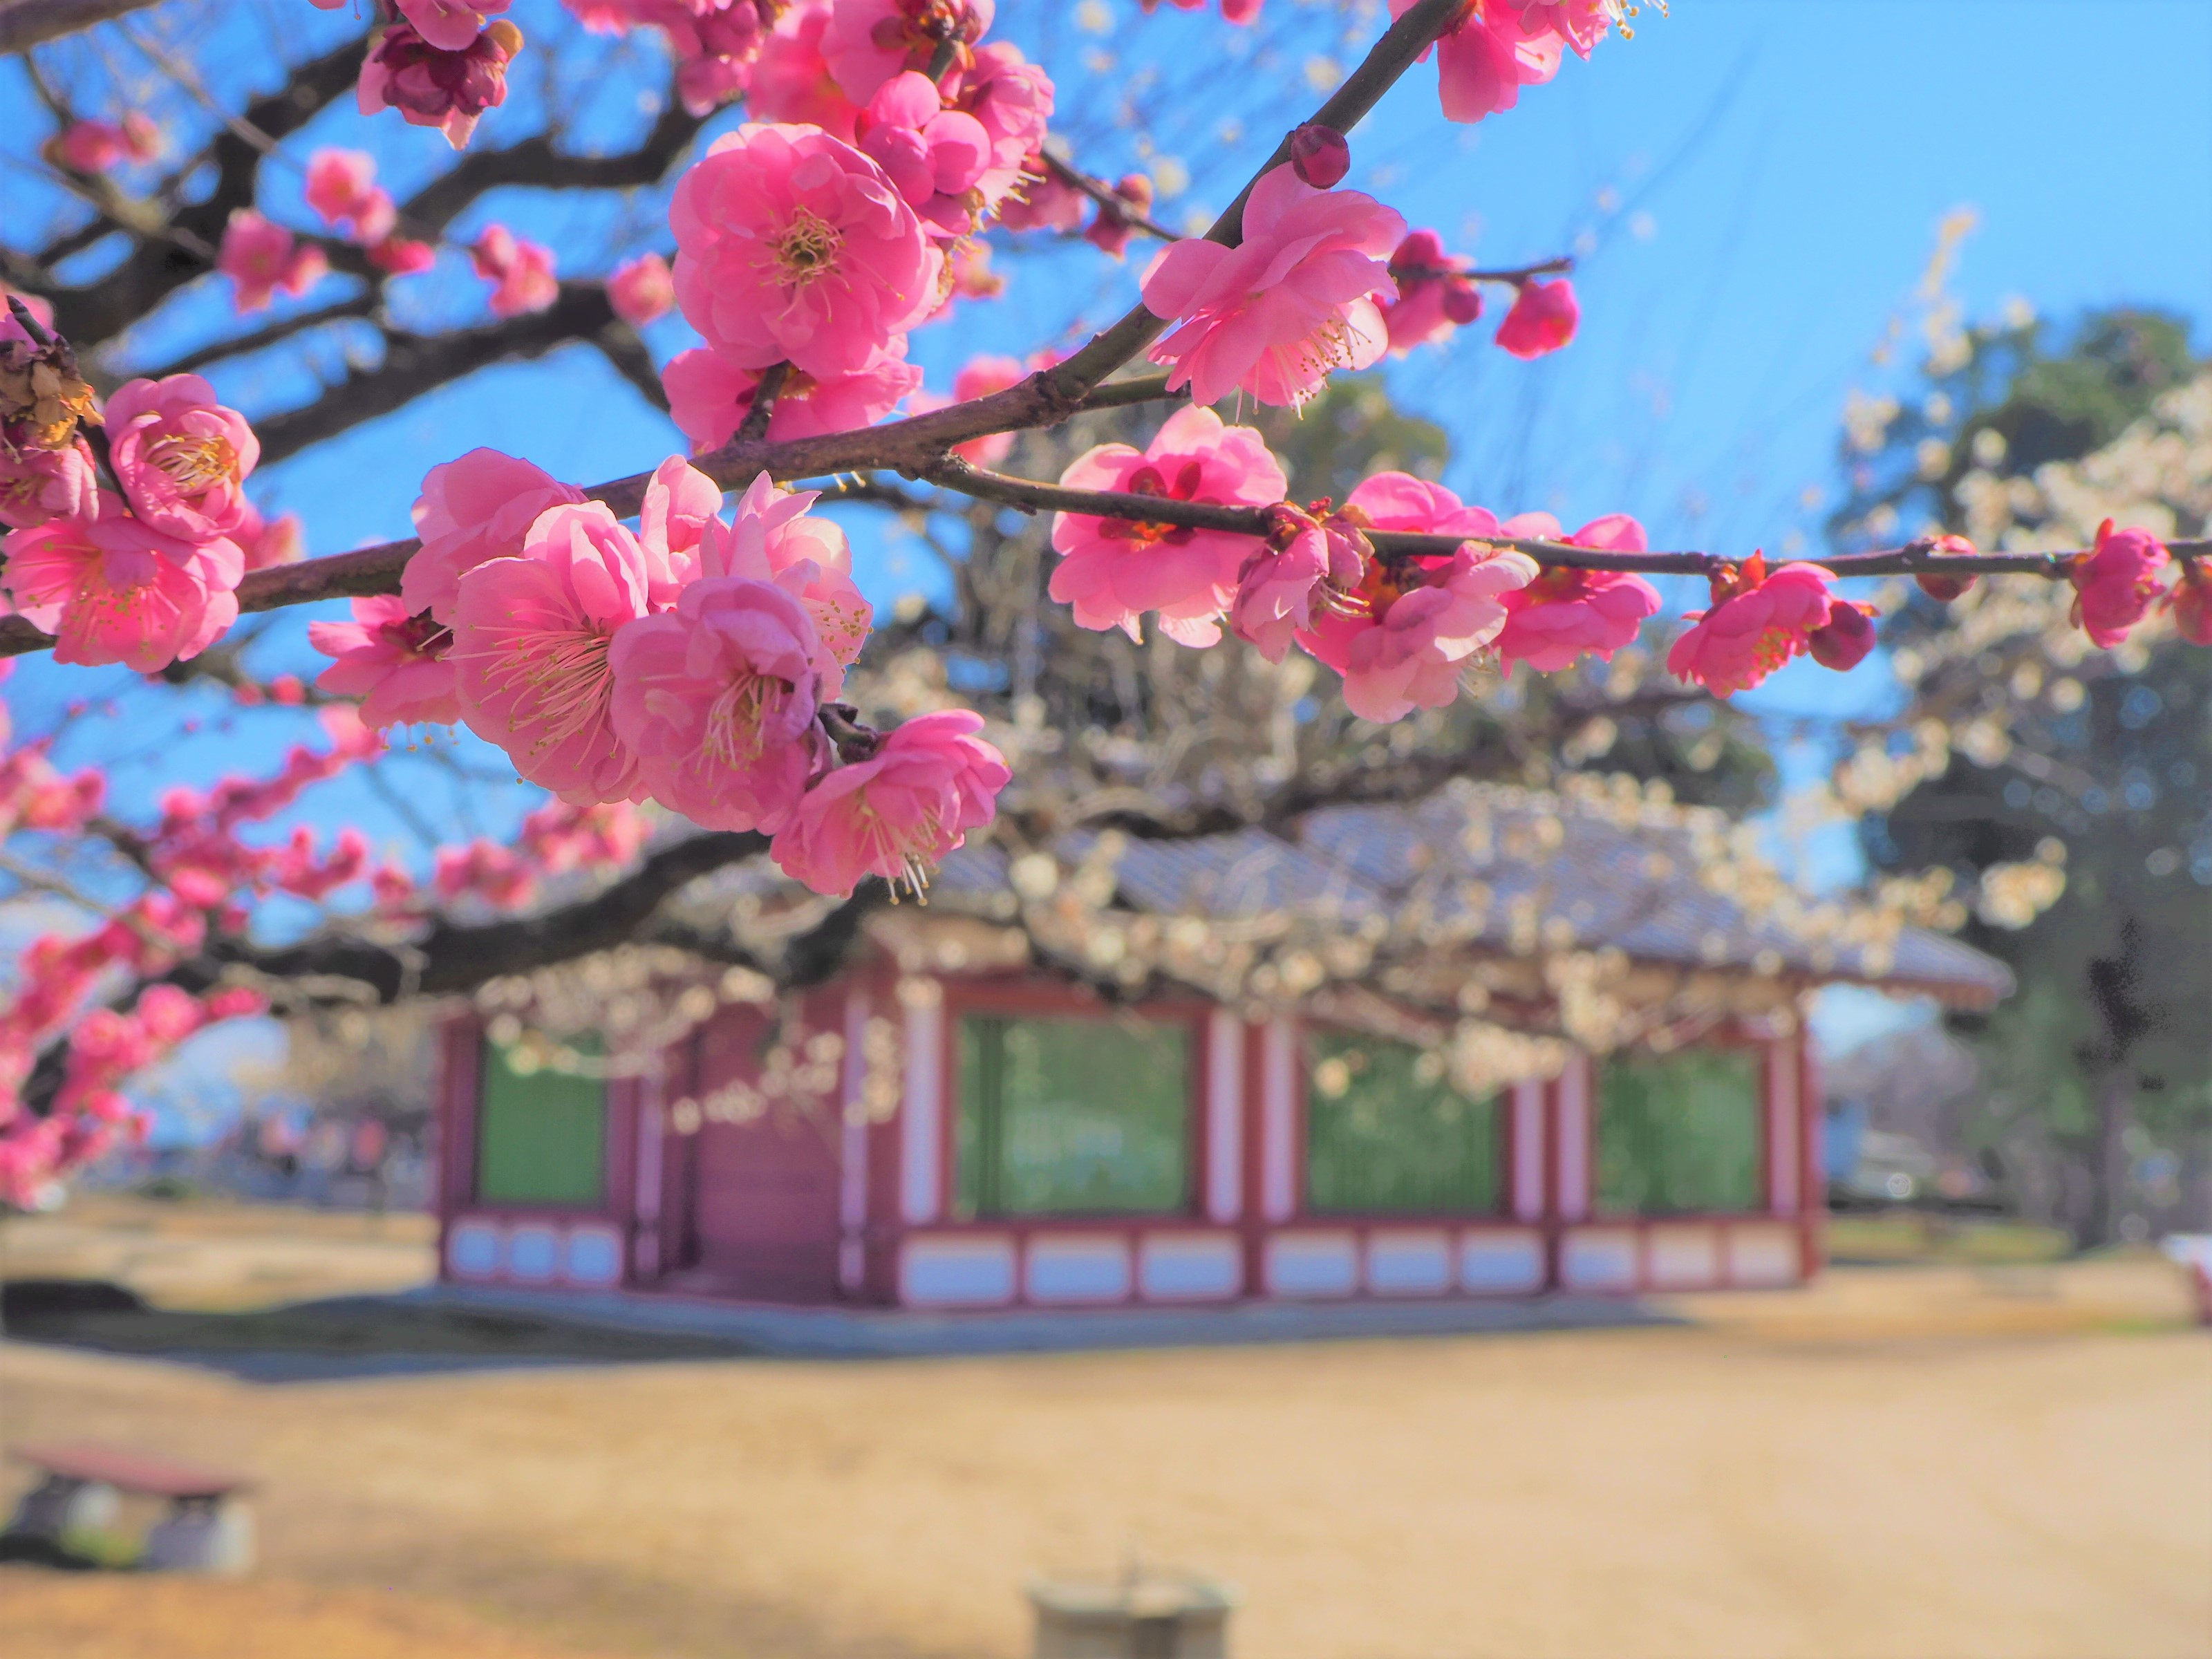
(1142, 1614)
(62, 1504)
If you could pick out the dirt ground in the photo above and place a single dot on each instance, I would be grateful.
(1898, 1463)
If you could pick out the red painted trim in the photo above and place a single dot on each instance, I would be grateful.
(1250, 1220)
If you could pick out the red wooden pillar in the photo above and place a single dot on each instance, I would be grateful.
(459, 1076)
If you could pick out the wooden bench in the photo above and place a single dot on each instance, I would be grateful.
(204, 1531)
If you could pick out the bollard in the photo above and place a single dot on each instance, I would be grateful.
(1142, 1614)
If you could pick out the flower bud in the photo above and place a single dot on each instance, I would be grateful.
(1844, 640)
(1319, 155)
(2192, 604)
(1462, 299)
(1946, 587)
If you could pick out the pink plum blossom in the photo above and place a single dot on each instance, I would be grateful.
(531, 642)
(794, 247)
(980, 377)
(395, 663)
(115, 590)
(898, 813)
(1112, 570)
(933, 155)
(1542, 319)
(709, 396)
(478, 507)
(1293, 300)
(181, 457)
(1581, 24)
(773, 538)
(260, 259)
(1399, 501)
(93, 146)
(1434, 296)
(717, 699)
(342, 189)
(641, 290)
(1566, 612)
(868, 41)
(432, 86)
(1289, 583)
(1013, 98)
(450, 24)
(481, 869)
(1112, 226)
(2115, 584)
(1758, 622)
(680, 502)
(1041, 200)
(522, 271)
(1427, 618)
(792, 80)
(400, 256)
(1496, 48)
(38, 485)
(267, 542)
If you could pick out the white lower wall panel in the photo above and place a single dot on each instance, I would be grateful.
(1409, 1263)
(533, 1253)
(1501, 1263)
(1313, 1264)
(956, 1273)
(1683, 1256)
(1598, 1258)
(473, 1249)
(1190, 1267)
(1078, 1269)
(1762, 1254)
(592, 1257)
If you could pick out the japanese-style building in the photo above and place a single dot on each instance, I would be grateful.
(962, 1118)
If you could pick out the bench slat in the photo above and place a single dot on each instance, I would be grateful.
(129, 1471)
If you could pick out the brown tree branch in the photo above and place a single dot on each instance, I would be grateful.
(91, 315)
(1402, 45)
(27, 23)
(415, 363)
(1109, 199)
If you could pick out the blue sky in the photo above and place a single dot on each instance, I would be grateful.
(1753, 185)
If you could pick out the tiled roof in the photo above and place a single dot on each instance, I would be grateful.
(1499, 869)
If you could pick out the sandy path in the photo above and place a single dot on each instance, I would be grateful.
(1731, 1490)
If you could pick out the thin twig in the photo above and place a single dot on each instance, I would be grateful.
(1110, 200)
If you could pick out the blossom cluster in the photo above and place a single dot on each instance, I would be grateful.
(1402, 630)
(342, 189)
(202, 873)
(1321, 280)
(440, 62)
(1496, 47)
(692, 661)
(143, 573)
(205, 874)
(822, 234)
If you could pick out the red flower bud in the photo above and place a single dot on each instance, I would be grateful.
(1462, 299)
(1843, 641)
(1946, 587)
(2192, 604)
(1319, 155)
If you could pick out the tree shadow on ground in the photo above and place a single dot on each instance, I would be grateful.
(341, 1337)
